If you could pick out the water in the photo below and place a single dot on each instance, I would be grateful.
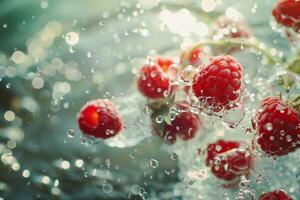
(70, 53)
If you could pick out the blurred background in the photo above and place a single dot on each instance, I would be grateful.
(56, 55)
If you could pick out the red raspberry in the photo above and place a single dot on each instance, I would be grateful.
(229, 28)
(153, 82)
(278, 127)
(194, 58)
(227, 162)
(99, 118)
(218, 83)
(185, 125)
(275, 195)
(286, 13)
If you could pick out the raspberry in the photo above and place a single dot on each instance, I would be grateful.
(275, 195)
(194, 58)
(99, 118)
(185, 125)
(230, 28)
(277, 126)
(153, 82)
(286, 13)
(227, 162)
(218, 83)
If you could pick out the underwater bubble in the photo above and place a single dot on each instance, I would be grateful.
(107, 188)
(159, 119)
(9, 115)
(173, 156)
(70, 133)
(153, 163)
(79, 163)
(26, 173)
(72, 38)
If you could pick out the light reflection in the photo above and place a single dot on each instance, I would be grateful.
(183, 23)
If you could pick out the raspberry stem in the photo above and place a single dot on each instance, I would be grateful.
(234, 42)
(295, 103)
(294, 64)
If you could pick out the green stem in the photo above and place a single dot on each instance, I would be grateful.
(294, 64)
(295, 99)
(286, 82)
(231, 42)
(295, 103)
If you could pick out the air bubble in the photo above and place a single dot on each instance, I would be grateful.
(173, 156)
(153, 163)
(107, 188)
(72, 38)
(83, 140)
(89, 54)
(86, 174)
(159, 119)
(71, 133)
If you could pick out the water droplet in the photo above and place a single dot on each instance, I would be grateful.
(71, 133)
(108, 163)
(89, 54)
(83, 140)
(159, 119)
(109, 132)
(72, 38)
(268, 126)
(288, 138)
(86, 174)
(218, 148)
(166, 93)
(8, 85)
(188, 73)
(107, 188)
(153, 163)
(173, 156)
